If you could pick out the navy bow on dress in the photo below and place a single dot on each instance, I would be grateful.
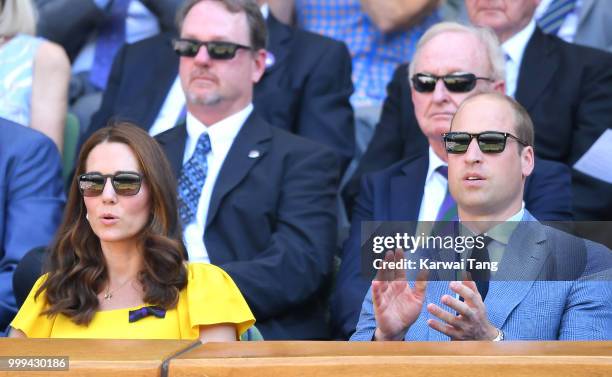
(146, 311)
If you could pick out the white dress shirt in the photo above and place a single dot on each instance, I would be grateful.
(222, 135)
(435, 189)
(513, 49)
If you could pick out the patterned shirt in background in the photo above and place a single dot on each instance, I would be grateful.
(375, 54)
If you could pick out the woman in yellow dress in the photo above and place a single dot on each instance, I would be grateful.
(117, 267)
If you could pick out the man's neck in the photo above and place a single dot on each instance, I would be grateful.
(209, 115)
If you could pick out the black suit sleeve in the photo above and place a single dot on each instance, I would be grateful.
(298, 258)
(326, 114)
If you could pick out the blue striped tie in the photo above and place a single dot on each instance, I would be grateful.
(448, 208)
(555, 14)
(191, 181)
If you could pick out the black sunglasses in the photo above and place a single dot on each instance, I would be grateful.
(488, 141)
(216, 49)
(125, 183)
(457, 83)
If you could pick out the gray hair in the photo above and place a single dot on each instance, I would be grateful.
(486, 37)
(17, 16)
(257, 25)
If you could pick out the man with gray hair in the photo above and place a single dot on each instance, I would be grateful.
(565, 88)
(451, 63)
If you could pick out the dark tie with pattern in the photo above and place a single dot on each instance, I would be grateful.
(480, 256)
(550, 22)
(111, 36)
(448, 209)
(191, 181)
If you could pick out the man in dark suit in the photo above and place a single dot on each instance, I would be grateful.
(31, 201)
(305, 88)
(565, 88)
(254, 199)
(415, 188)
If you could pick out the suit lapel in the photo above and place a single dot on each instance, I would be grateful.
(407, 191)
(521, 264)
(173, 143)
(537, 69)
(279, 39)
(166, 63)
(250, 145)
(585, 9)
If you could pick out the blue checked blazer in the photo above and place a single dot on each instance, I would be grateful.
(521, 302)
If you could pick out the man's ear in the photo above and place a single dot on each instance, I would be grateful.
(259, 64)
(499, 86)
(527, 161)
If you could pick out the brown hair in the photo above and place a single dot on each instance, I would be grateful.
(76, 266)
(257, 25)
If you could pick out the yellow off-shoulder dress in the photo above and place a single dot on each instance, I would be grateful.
(211, 297)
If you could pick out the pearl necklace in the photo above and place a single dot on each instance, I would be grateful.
(109, 294)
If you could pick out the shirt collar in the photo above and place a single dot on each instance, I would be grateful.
(434, 163)
(515, 46)
(222, 132)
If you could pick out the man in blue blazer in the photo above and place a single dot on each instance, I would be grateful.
(266, 210)
(412, 189)
(305, 88)
(525, 297)
(31, 201)
(565, 88)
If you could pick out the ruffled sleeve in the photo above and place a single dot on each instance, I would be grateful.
(29, 318)
(214, 298)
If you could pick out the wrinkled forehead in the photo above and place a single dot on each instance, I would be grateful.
(450, 52)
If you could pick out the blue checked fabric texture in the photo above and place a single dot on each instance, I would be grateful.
(375, 55)
(191, 181)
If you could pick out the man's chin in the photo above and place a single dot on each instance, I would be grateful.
(203, 99)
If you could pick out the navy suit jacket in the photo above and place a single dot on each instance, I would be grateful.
(306, 91)
(31, 201)
(549, 286)
(272, 224)
(566, 89)
(395, 194)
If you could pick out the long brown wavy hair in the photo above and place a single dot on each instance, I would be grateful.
(76, 267)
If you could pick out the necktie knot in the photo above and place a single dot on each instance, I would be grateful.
(443, 170)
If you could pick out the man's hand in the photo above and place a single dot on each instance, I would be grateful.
(396, 305)
(470, 322)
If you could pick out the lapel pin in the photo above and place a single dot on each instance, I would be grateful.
(254, 153)
(270, 59)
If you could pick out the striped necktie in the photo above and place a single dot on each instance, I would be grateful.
(191, 181)
(448, 209)
(550, 22)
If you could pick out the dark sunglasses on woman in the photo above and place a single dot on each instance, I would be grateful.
(125, 183)
(488, 141)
